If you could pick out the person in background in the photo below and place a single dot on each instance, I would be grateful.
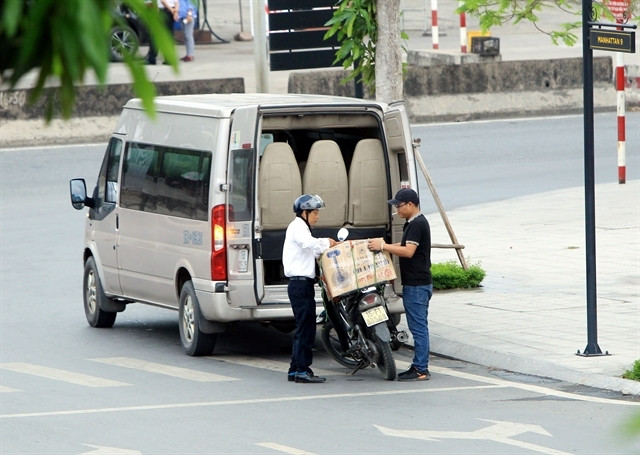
(187, 16)
(299, 255)
(169, 12)
(414, 251)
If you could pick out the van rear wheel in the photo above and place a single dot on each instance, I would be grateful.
(94, 298)
(194, 341)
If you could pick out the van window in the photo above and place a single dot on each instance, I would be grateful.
(403, 167)
(108, 178)
(241, 191)
(166, 180)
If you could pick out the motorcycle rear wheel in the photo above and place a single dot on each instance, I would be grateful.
(386, 364)
(331, 344)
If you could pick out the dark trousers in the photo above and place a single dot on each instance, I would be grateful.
(302, 297)
(168, 22)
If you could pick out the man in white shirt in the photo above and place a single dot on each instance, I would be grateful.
(299, 261)
(169, 11)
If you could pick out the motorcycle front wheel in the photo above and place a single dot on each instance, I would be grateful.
(386, 364)
(331, 344)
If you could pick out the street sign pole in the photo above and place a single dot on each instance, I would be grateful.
(589, 184)
(594, 36)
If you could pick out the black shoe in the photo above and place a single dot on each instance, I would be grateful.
(291, 376)
(148, 61)
(307, 378)
(413, 374)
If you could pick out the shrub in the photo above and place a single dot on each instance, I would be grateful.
(451, 275)
(634, 373)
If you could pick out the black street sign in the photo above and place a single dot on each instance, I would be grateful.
(609, 40)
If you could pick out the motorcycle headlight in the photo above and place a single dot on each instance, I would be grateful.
(369, 301)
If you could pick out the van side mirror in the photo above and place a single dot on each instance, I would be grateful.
(78, 190)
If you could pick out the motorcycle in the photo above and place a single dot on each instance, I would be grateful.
(358, 330)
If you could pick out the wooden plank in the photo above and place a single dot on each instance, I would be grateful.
(436, 199)
(280, 61)
(310, 39)
(447, 245)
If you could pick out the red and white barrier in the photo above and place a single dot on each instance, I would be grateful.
(434, 24)
(621, 102)
(463, 32)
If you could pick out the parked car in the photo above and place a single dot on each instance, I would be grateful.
(127, 34)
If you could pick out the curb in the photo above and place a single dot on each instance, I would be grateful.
(453, 349)
(524, 365)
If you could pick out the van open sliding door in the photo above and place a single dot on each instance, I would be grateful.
(245, 272)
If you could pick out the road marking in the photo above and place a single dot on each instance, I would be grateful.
(283, 399)
(500, 431)
(61, 375)
(168, 370)
(104, 450)
(516, 385)
(284, 449)
(5, 389)
(530, 387)
(265, 364)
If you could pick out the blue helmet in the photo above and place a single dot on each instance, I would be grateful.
(307, 202)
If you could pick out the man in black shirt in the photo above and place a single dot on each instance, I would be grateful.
(414, 252)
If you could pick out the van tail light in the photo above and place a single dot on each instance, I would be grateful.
(218, 244)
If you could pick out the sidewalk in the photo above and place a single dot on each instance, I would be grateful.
(530, 314)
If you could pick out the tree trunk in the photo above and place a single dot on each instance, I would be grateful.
(389, 85)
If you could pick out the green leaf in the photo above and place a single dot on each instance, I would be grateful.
(143, 88)
(11, 12)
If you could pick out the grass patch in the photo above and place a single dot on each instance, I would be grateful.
(634, 373)
(451, 275)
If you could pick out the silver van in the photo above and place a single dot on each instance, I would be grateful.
(190, 208)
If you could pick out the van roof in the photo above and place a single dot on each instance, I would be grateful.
(223, 105)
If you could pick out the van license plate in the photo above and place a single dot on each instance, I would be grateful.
(243, 260)
(375, 316)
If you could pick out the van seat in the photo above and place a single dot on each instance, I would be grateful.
(280, 185)
(326, 175)
(368, 185)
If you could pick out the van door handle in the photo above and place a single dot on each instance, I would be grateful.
(117, 222)
(257, 248)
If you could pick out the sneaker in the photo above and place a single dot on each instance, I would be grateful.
(291, 376)
(413, 374)
(308, 378)
(188, 58)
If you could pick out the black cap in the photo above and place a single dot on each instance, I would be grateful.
(405, 195)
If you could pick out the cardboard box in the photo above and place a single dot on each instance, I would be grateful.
(350, 266)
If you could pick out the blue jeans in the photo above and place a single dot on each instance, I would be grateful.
(416, 307)
(189, 41)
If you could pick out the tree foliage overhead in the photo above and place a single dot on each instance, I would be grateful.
(63, 40)
(492, 13)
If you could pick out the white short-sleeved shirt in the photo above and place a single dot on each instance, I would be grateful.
(171, 3)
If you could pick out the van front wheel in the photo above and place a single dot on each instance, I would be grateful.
(194, 341)
(94, 298)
